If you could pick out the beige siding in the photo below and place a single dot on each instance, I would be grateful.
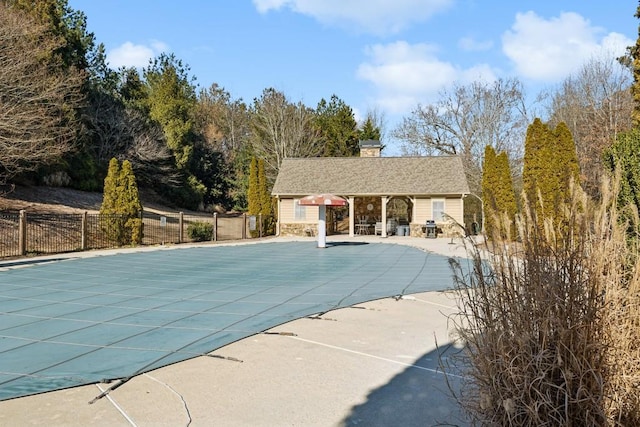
(287, 213)
(311, 214)
(286, 210)
(422, 211)
(452, 207)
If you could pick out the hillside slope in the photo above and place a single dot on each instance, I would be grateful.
(65, 200)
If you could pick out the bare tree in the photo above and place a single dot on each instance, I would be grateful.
(282, 129)
(126, 133)
(149, 155)
(38, 99)
(104, 123)
(596, 104)
(467, 119)
(223, 121)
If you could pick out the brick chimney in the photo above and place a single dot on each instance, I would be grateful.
(370, 148)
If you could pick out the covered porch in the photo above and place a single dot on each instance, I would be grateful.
(380, 215)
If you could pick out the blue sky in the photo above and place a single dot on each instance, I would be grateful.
(389, 55)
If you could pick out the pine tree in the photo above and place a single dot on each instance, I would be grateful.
(338, 128)
(253, 192)
(369, 131)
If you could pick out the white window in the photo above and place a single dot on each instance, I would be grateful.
(299, 211)
(437, 209)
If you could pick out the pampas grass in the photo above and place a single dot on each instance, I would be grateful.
(551, 323)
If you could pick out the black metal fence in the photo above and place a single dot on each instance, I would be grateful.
(30, 233)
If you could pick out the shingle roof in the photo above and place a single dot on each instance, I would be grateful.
(438, 175)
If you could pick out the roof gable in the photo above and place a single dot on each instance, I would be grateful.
(371, 176)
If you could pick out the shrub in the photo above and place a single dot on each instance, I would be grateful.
(57, 179)
(121, 208)
(200, 231)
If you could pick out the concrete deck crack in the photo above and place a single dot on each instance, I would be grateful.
(184, 402)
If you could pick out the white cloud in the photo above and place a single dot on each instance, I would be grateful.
(265, 6)
(372, 16)
(549, 50)
(404, 75)
(134, 55)
(616, 43)
(472, 45)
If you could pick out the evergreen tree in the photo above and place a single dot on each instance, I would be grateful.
(623, 157)
(338, 128)
(498, 195)
(265, 195)
(171, 102)
(253, 192)
(535, 156)
(129, 204)
(121, 208)
(566, 160)
(550, 164)
(506, 199)
(489, 185)
(110, 191)
(132, 89)
(266, 207)
(369, 131)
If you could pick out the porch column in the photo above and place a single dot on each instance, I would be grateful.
(352, 214)
(384, 216)
(413, 213)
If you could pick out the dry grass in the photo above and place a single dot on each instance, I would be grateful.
(551, 325)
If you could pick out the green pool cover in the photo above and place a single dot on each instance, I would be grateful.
(85, 320)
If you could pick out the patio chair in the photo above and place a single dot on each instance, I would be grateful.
(378, 228)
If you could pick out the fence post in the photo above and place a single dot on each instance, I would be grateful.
(181, 224)
(260, 226)
(22, 233)
(215, 227)
(244, 226)
(83, 233)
